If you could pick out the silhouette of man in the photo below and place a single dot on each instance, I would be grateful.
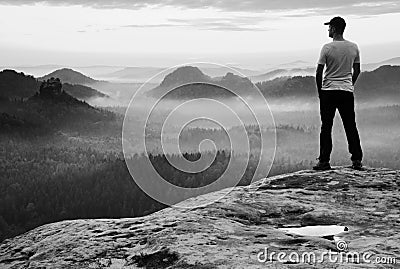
(336, 90)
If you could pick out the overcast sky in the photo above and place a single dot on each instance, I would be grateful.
(253, 33)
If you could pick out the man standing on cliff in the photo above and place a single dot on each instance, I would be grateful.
(336, 91)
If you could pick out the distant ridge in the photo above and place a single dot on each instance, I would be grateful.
(71, 76)
(284, 73)
(373, 66)
(302, 68)
(392, 61)
(294, 64)
(134, 73)
(383, 82)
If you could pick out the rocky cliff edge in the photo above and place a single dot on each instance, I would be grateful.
(236, 231)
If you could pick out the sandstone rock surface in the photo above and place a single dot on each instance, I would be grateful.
(235, 231)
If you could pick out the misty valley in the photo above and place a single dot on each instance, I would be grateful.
(63, 155)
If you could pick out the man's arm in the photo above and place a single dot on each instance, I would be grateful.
(356, 72)
(318, 77)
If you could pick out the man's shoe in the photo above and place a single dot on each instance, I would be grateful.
(322, 166)
(357, 165)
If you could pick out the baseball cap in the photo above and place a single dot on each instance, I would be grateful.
(337, 21)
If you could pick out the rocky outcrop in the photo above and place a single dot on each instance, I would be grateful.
(51, 87)
(235, 231)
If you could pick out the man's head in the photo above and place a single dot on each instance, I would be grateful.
(336, 26)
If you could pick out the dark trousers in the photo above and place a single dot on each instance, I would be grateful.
(330, 100)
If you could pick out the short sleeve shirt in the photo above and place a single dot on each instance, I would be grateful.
(339, 57)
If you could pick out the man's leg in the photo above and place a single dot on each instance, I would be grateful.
(346, 110)
(327, 108)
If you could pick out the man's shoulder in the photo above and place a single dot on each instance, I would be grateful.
(338, 43)
(326, 47)
(351, 43)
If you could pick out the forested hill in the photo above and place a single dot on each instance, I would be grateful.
(382, 82)
(51, 110)
(18, 85)
(190, 82)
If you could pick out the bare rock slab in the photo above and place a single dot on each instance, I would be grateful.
(236, 231)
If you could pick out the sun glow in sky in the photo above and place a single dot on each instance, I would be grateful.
(70, 34)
